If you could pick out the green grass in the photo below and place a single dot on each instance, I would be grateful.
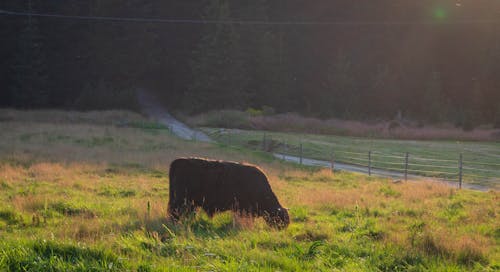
(68, 206)
(426, 158)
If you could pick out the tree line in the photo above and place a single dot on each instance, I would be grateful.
(431, 61)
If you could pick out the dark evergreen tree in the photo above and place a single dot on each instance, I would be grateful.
(341, 98)
(29, 68)
(431, 98)
(195, 67)
(267, 61)
(220, 79)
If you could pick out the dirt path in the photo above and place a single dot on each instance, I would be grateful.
(155, 110)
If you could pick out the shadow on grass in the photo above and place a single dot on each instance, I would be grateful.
(199, 224)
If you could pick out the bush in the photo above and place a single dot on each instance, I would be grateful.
(394, 125)
(268, 110)
(226, 119)
(254, 112)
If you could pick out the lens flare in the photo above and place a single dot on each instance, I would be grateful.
(440, 13)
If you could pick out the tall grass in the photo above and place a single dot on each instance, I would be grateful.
(291, 122)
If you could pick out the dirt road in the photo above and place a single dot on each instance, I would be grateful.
(155, 110)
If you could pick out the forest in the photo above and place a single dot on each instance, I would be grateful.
(431, 61)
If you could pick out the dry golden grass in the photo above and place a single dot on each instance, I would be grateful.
(292, 122)
(380, 129)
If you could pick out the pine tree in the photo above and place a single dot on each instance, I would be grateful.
(431, 100)
(496, 117)
(270, 77)
(219, 75)
(341, 97)
(29, 69)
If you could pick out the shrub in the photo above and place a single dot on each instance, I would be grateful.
(268, 110)
(226, 119)
(254, 112)
(394, 125)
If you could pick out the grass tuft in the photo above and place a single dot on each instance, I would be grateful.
(70, 209)
(51, 256)
(10, 217)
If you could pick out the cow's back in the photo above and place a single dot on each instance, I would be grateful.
(190, 180)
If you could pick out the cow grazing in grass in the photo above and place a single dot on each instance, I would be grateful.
(220, 186)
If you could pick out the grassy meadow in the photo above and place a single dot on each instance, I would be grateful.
(89, 192)
(481, 160)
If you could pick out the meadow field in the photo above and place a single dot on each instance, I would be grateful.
(439, 158)
(89, 192)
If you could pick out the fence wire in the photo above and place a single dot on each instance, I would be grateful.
(332, 152)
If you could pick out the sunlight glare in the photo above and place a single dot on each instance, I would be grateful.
(440, 13)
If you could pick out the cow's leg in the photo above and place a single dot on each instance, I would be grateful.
(210, 211)
(175, 212)
(178, 210)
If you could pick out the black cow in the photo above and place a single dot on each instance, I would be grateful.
(221, 186)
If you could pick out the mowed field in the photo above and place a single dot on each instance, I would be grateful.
(440, 159)
(89, 192)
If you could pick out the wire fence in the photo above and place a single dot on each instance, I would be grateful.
(370, 161)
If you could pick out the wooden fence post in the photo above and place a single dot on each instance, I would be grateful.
(284, 150)
(369, 163)
(264, 142)
(300, 153)
(332, 162)
(406, 165)
(460, 171)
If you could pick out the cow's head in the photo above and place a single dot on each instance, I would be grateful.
(277, 218)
